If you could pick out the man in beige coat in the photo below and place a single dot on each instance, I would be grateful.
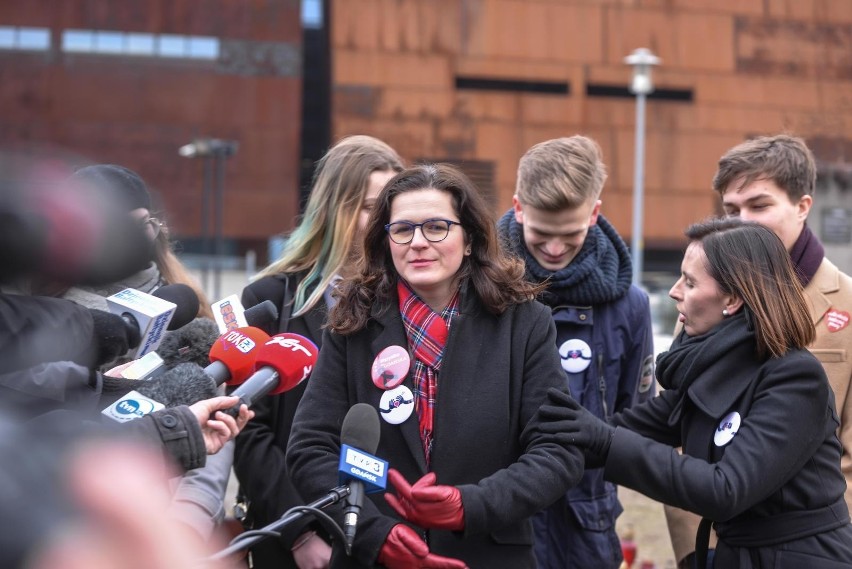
(771, 180)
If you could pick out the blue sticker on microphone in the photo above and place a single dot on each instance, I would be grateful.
(355, 464)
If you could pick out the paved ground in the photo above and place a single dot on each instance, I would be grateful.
(645, 517)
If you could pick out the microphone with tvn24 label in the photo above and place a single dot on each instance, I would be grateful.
(283, 362)
(184, 384)
(359, 439)
(149, 315)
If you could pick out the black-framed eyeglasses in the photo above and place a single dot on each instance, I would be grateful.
(433, 230)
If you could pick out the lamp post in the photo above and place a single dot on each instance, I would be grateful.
(214, 152)
(642, 61)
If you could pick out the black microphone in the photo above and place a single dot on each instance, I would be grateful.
(185, 299)
(260, 315)
(361, 430)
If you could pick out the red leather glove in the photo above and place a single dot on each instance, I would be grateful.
(427, 504)
(403, 549)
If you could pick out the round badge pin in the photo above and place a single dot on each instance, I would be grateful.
(396, 405)
(727, 429)
(390, 367)
(576, 355)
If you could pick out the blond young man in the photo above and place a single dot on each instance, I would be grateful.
(771, 180)
(603, 325)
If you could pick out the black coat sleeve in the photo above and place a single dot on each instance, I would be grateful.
(314, 450)
(545, 469)
(782, 431)
(177, 430)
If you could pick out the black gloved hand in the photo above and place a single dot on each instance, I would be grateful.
(574, 424)
(110, 336)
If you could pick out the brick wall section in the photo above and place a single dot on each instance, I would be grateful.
(138, 111)
(754, 66)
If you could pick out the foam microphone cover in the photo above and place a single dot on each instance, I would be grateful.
(190, 343)
(261, 315)
(184, 384)
(185, 299)
(112, 335)
(361, 428)
(237, 349)
(292, 356)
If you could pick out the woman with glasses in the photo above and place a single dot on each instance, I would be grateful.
(439, 333)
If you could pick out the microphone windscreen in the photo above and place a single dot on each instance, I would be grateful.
(361, 428)
(184, 384)
(111, 335)
(185, 299)
(190, 343)
(260, 315)
(237, 349)
(292, 356)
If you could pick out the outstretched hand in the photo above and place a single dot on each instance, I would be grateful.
(218, 427)
(404, 549)
(574, 424)
(426, 504)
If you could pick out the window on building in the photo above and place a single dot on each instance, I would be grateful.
(140, 44)
(24, 38)
(312, 14)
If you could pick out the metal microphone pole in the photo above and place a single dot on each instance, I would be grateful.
(333, 497)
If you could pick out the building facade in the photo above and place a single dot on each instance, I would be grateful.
(480, 81)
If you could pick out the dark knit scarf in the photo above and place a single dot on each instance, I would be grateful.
(601, 271)
(691, 356)
(807, 254)
(427, 333)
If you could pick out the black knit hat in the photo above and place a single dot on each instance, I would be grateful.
(119, 182)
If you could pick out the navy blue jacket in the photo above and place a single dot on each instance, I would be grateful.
(605, 342)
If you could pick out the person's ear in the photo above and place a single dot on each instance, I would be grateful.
(519, 209)
(804, 207)
(733, 304)
(596, 211)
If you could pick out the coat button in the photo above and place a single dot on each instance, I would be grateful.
(582, 317)
(169, 421)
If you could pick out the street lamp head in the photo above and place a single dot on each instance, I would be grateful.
(208, 147)
(642, 60)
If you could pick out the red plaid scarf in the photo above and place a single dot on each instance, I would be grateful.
(427, 333)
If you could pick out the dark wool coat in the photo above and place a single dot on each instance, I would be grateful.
(261, 446)
(759, 487)
(494, 376)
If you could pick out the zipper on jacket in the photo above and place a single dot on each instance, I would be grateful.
(602, 385)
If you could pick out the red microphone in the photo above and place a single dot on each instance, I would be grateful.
(233, 355)
(283, 362)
